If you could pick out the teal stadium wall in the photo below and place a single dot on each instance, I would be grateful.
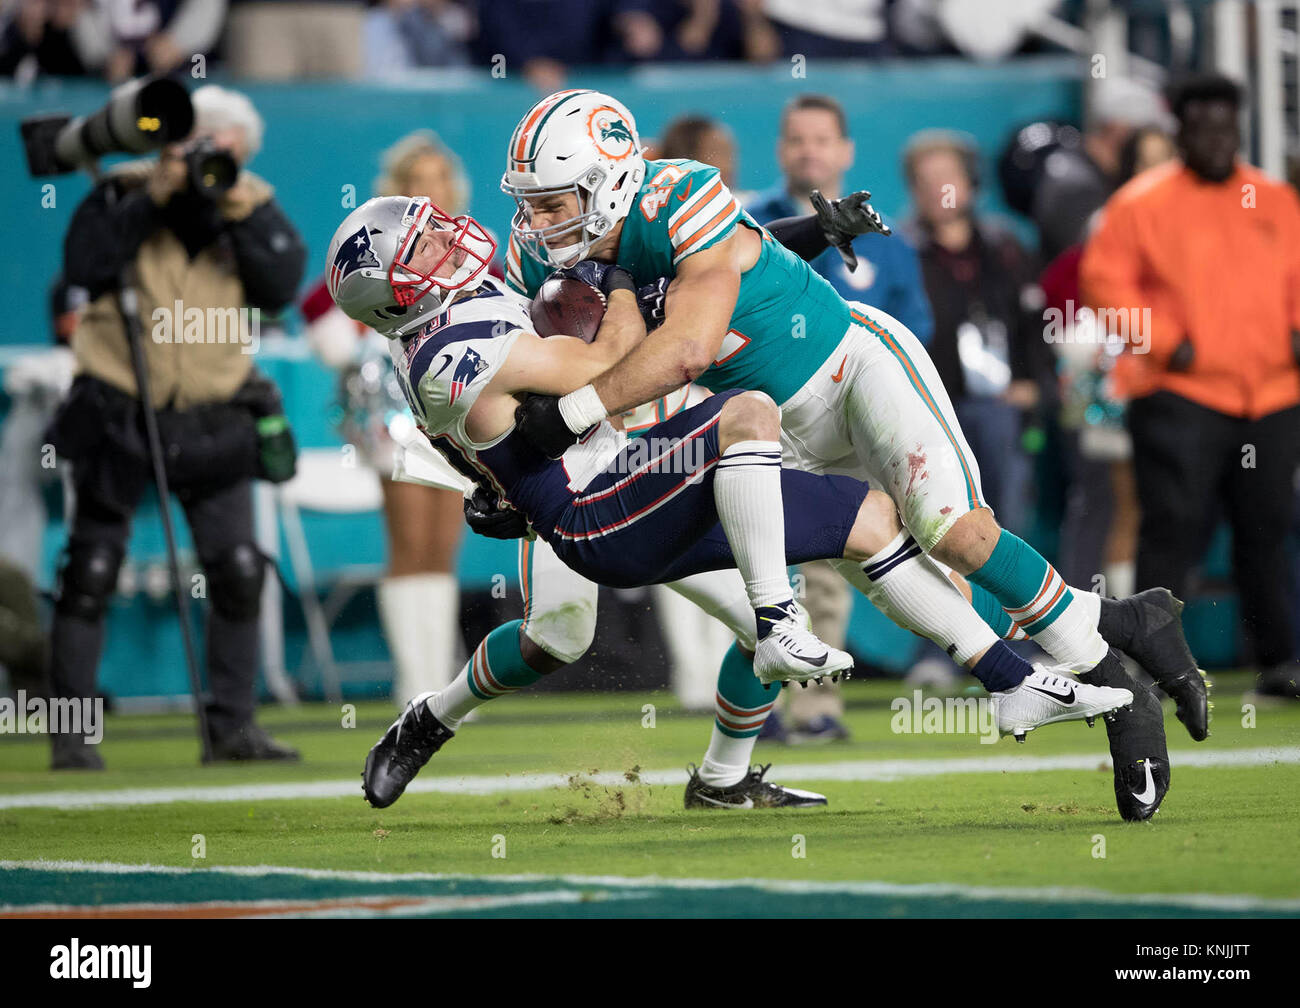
(321, 137)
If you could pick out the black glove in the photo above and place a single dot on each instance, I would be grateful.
(650, 299)
(539, 421)
(605, 277)
(842, 220)
(485, 515)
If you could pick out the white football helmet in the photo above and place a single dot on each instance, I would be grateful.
(369, 270)
(580, 142)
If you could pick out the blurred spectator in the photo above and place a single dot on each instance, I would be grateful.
(1076, 182)
(1100, 526)
(695, 30)
(542, 38)
(987, 344)
(289, 39)
(831, 29)
(700, 138)
(42, 37)
(1209, 252)
(815, 152)
(130, 37)
(419, 596)
(405, 34)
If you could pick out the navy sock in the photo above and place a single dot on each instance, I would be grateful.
(767, 615)
(1001, 669)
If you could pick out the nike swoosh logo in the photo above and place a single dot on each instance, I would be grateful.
(819, 661)
(687, 192)
(1147, 796)
(838, 376)
(446, 363)
(747, 803)
(1065, 698)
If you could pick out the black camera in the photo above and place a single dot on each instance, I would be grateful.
(212, 170)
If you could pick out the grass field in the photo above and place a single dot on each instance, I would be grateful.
(568, 805)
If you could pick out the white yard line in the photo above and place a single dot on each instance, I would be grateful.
(1046, 894)
(845, 770)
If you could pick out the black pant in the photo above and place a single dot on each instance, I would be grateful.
(1193, 465)
(220, 519)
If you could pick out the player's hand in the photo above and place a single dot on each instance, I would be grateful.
(539, 421)
(605, 277)
(651, 300)
(842, 220)
(1182, 358)
(485, 515)
(240, 200)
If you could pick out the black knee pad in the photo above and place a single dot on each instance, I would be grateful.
(87, 578)
(235, 581)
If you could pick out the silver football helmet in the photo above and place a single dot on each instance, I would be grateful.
(372, 278)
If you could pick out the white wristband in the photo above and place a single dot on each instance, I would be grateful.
(582, 409)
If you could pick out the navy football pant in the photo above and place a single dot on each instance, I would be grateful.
(650, 516)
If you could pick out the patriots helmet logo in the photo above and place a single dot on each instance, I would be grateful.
(355, 252)
(471, 365)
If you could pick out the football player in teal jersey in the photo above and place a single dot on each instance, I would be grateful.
(858, 394)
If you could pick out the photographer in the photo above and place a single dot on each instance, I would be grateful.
(199, 249)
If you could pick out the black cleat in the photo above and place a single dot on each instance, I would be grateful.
(749, 793)
(248, 743)
(1137, 743)
(396, 758)
(1148, 627)
(73, 752)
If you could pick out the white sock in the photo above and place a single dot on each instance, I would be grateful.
(453, 704)
(1121, 578)
(1073, 639)
(747, 494)
(727, 759)
(909, 588)
(420, 615)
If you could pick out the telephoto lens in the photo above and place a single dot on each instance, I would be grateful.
(212, 170)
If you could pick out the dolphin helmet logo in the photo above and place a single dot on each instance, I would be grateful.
(611, 133)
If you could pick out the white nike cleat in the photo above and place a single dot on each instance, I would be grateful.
(791, 652)
(1045, 696)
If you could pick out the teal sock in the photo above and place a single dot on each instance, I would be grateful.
(1024, 584)
(497, 666)
(740, 707)
(1039, 603)
(742, 703)
(991, 612)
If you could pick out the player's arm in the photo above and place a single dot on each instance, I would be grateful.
(836, 223)
(702, 300)
(560, 364)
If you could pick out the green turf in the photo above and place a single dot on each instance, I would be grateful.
(1222, 830)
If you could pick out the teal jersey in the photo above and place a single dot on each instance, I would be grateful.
(787, 321)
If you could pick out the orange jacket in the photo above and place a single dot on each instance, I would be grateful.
(1216, 263)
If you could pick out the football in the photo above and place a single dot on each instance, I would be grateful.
(567, 307)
